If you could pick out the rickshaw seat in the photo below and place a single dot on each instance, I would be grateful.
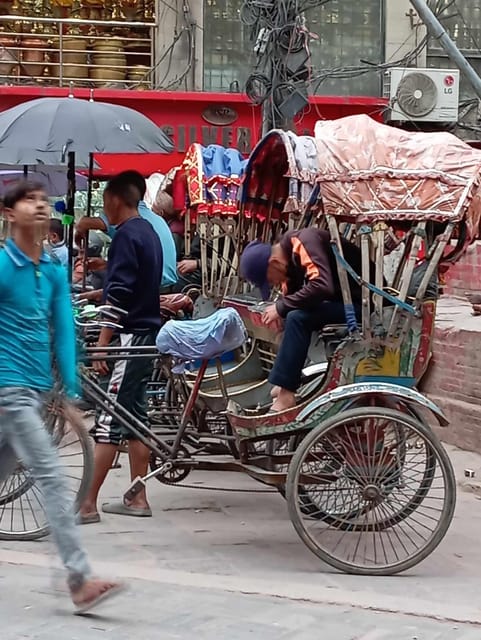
(202, 339)
(332, 335)
(334, 332)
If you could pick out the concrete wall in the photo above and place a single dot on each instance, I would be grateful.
(404, 31)
(173, 61)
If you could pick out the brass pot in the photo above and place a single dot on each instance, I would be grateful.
(137, 54)
(108, 65)
(69, 72)
(110, 45)
(107, 74)
(74, 50)
(139, 74)
(33, 56)
(74, 59)
(129, 8)
(8, 54)
(109, 60)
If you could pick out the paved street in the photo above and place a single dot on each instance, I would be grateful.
(229, 565)
(158, 611)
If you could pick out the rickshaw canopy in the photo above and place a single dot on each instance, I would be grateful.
(370, 172)
(280, 175)
(208, 180)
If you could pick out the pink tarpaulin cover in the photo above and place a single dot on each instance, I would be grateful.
(372, 171)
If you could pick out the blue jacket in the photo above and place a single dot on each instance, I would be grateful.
(134, 269)
(35, 319)
(161, 228)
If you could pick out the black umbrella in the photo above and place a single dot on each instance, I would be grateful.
(43, 131)
(51, 131)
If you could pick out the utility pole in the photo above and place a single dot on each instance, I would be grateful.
(281, 46)
(437, 31)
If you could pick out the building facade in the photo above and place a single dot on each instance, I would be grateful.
(342, 34)
(345, 36)
(207, 45)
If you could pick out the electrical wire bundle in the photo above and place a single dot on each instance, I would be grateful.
(281, 45)
(279, 35)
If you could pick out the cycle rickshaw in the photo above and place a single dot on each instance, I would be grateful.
(369, 487)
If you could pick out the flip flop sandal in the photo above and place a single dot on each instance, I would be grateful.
(91, 518)
(121, 509)
(85, 607)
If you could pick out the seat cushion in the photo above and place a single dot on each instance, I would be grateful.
(334, 332)
(202, 339)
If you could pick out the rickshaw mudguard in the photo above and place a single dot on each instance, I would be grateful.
(392, 393)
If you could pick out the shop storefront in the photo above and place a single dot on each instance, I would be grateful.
(208, 118)
(86, 43)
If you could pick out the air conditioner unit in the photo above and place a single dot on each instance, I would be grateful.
(424, 95)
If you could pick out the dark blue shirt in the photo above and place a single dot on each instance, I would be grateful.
(162, 229)
(134, 271)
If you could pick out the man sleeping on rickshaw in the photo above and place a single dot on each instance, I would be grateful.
(303, 265)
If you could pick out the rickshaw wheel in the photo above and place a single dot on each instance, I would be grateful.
(22, 511)
(381, 490)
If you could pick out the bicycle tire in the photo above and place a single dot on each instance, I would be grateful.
(333, 559)
(86, 447)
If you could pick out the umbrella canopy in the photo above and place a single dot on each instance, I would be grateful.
(53, 179)
(43, 131)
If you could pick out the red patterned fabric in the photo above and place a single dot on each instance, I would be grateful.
(193, 168)
(179, 191)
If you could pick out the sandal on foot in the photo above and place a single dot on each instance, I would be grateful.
(90, 518)
(121, 509)
(88, 605)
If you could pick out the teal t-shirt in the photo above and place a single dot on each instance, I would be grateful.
(161, 228)
(35, 319)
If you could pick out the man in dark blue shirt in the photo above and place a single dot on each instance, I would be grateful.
(132, 283)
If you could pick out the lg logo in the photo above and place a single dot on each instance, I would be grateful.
(449, 82)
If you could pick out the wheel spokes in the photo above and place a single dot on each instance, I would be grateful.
(370, 492)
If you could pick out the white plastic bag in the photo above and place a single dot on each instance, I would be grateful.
(203, 339)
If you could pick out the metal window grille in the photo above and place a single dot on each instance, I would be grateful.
(346, 32)
(227, 50)
(462, 20)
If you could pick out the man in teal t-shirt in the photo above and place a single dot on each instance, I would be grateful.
(161, 228)
(36, 318)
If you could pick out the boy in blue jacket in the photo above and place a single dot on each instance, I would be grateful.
(35, 305)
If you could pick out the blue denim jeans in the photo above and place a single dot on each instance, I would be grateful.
(298, 327)
(23, 436)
